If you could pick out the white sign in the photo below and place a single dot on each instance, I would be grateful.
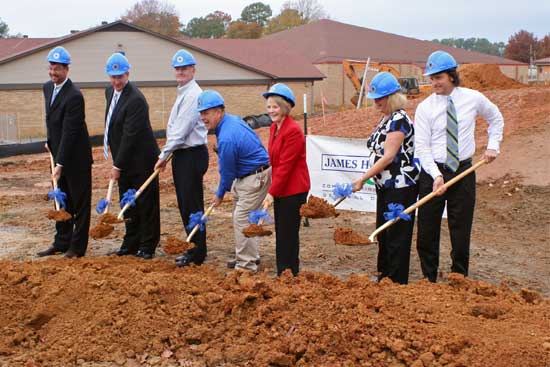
(334, 161)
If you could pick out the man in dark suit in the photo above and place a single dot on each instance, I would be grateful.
(69, 143)
(134, 150)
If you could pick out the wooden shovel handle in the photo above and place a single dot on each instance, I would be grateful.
(52, 167)
(142, 188)
(196, 227)
(427, 198)
(339, 201)
(109, 193)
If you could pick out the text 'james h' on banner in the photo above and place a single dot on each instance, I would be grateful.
(334, 161)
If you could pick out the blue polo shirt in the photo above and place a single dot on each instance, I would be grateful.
(240, 151)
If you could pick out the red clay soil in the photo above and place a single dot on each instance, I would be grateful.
(316, 208)
(346, 236)
(256, 230)
(61, 312)
(175, 246)
(484, 77)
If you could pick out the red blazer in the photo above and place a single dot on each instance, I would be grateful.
(287, 155)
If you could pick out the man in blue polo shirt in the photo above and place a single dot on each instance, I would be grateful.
(244, 170)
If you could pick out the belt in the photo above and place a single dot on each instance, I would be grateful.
(191, 149)
(257, 170)
(443, 166)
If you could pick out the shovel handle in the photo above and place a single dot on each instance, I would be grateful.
(52, 167)
(142, 188)
(261, 221)
(427, 198)
(196, 227)
(337, 202)
(109, 193)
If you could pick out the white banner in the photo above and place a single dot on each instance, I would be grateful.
(334, 161)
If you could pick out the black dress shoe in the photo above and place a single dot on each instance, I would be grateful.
(49, 252)
(70, 254)
(123, 252)
(145, 255)
(184, 260)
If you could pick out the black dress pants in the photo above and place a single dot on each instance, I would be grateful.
(73, 234)
(287, 231)
(188, 168)
(143, 219)
(394, 244)
(460, 199)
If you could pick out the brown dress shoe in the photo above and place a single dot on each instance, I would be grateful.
(48, 252)
(70, 254)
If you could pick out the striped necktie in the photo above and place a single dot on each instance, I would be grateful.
(54, 94)
(107, 121)
(452, 161)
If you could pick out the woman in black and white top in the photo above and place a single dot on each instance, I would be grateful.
(393, 169)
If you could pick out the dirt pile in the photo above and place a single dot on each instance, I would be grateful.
(112, 309)
(347, 237)
(484, 77)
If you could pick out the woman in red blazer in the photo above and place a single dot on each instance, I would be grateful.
(290, 177)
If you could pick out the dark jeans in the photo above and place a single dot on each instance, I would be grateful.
(287, 231)
(143, 219)
(394, 244)
(188, 168)
(460, 199)
(73, 234)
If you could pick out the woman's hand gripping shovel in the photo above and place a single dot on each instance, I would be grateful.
(399, 215)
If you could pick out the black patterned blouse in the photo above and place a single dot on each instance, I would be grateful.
(404, 170)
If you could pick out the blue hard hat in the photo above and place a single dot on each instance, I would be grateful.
(383, 84)
(117, 64)
(59, 55)
(281, 90)
(183, 58)
(439, 61)
(209, 99)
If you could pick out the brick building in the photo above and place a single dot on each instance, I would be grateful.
(239, 69)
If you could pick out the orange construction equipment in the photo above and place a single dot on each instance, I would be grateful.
(352, 68)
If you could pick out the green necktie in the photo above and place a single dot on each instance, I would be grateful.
(452, 161)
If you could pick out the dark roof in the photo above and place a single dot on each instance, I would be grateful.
(268, 62)
(545, 61)
(327, 41)
(13, 46)
(272, 57)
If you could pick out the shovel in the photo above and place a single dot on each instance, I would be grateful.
(425, 199)
(104, 227)
(175, 245)
(59, 214)
(256, 229)
(141, 189)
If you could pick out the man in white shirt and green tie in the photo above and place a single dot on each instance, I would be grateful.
(445, 143)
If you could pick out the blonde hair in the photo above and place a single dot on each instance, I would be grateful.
(396, 101)
(282, 103)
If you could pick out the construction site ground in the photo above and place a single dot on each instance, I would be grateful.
(110, 311)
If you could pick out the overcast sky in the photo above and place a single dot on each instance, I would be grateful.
(495, 20)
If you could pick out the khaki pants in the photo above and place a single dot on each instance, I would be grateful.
(248, 195)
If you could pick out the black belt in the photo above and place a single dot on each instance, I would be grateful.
(191, 149)
(257, 170)
(443, 166)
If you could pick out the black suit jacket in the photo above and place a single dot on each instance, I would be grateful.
(68, 137)
(131, 138)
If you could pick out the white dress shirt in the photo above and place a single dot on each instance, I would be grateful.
(185, 128)
(431, 126)
(58, 87)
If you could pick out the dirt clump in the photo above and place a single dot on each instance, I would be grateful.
(101, 230)
(484, 77)
(256, 230)
(346, 236)
(109, 218)
(316, 208)
(175, 246)
(59, 215)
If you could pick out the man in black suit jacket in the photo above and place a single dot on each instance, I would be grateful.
(69, 143)
(134, 150)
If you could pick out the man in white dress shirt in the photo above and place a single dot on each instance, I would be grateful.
(445, 143)
(186, 140)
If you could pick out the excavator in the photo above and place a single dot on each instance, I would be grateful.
(409, 85)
